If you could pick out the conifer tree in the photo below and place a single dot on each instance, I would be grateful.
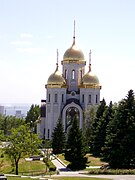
(58, 138)
(90, 115)
(119, 149)
(95, 124)
(75, 148)
(100, 136)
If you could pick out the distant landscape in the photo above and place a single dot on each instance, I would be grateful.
(10, 109)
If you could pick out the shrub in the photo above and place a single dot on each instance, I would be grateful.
(112, 171)
(49, 164)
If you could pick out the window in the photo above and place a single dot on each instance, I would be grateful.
(65, 74)
(48, 135)
(62, 97)
(73, 74)
(83, 98)
(90, 98)
(55, 99)
(80, 74)
(49, 97)
(96, 98)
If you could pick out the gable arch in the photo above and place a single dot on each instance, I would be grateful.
(72, 105)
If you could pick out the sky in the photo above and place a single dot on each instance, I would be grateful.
(32, 30)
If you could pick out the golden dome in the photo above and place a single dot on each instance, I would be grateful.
(56, 78)
(73, 53)
(90, 79)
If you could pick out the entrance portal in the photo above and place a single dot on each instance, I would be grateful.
(71, 113)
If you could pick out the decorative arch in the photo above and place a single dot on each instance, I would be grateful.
(79, 111)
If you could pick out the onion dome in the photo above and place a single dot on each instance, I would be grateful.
(73, 53)
(56, 78)
(90, 79)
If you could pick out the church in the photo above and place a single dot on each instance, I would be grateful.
(68, 93)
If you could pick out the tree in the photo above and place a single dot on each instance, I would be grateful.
(21, 143)
(9, 122)
(96, 122)
(75, 147)
(90, 115)
(119, 145)
(58, 138)
(32, 115)
(100, 135)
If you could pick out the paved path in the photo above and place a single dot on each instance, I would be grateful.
(63, 171)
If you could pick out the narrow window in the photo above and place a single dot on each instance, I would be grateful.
(65, 74)
(55, 100)
(49, 97)
(83, 98)
(81, 74)
(62, 98)
(48, 133)
(96, 98)
(73, 74)
(90, 98)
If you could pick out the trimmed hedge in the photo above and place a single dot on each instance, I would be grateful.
(112, 171)
(49, 164)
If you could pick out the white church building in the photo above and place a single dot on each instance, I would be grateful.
(68, 93)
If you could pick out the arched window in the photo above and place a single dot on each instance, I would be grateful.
(65, 74)
(89, 98)
(83, 98)
(73, 74)
(96, 98)
(62, 98)
(48, 134)
(81, 74)
(55, 100)
(49, 97)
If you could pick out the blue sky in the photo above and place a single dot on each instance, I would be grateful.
(32, 30)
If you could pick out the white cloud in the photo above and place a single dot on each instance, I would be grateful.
(21, 43)
(30, 50)
(26, 35)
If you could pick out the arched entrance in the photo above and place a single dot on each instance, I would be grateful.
(71, 111)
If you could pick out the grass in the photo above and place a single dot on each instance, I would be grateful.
(19, 178)
(59, 178)
(80, 178)
(93, 161)
(62, 158)
(25, 167)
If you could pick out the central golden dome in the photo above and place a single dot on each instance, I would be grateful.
(73, 53)
(56, 78)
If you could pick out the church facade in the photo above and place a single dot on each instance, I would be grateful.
(68, 93)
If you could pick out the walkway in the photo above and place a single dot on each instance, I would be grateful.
(63, 171)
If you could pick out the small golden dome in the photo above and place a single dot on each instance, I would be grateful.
(56, 78)
(73, 53)
(90, 79)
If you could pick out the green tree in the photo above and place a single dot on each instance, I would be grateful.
(99, 114)
(75, 147)
(32, 115)
(100, 135)
(90, 115)
(58, 138)
(120, 140)
(9, 122)
(21, 143)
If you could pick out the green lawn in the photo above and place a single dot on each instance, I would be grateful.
(93, 161)
(57, 178)
(80, 178)
(18, 178)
